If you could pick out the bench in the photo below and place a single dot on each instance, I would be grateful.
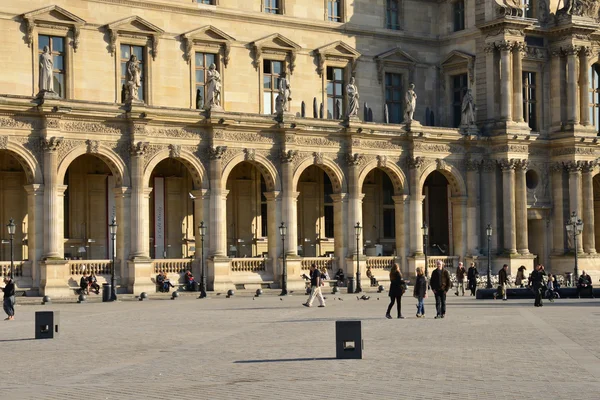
(256, 285)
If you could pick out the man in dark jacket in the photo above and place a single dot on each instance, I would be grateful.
(537, 283)
(584, 284)
(440, 284)
(472, 276)
(460, 279)
(503, 280)
(9, 298)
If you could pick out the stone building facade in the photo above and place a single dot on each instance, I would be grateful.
(88, 133)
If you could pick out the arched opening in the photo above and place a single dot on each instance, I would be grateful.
(379, 215)
(316, 226)
(13, 204)
(89, 205)
(247, 215)
(172, 222)
(437, 214)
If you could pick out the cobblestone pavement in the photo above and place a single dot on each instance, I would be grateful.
(268, 348)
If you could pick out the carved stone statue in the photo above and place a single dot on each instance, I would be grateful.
(285, 94)
(582, 8)
(352, 97)
(133, 79)
(46, 74)
(213, 88)
(468, 110)
(410, 104)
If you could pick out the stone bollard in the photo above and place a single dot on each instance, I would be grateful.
(230, 293)
(259, 292)
(46, 300)
(174, 295)
(143, 296)
(81, 299)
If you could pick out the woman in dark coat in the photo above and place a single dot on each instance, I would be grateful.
(397, 288)
(420, 292)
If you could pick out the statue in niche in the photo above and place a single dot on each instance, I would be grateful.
(468, 110)
(410, 104)
(285, 91)
(46, 71)
(352, 98)
(213, 88)
(582, 8)
(133, 79)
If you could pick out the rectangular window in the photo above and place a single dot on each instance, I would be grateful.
(389, 223)
(334, 12)
(56, 46)
(272, 7)
(264, 222)
(459, 88)
(459, 15)
(203, 62)
(126, 52)
(210, 2)
(271, 73)
(392, 14)
(594, 96)
(335, 93)
(328, 205)
(528, 9)
(393, 97)
(530, 99)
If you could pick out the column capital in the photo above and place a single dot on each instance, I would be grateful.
(51, 144)
(505, 45)
(473, 165)
(138, 149)
(34, 189)
(574, 167)
(339, 197)
(416, 162)
(354, 160)
(557, 166)
(273, 196)
(507, 164)
(216, 152)
(200, 193)
(489, 165)
(571, 50)
(520, 48)
(588, 166)
(521, 165)
(460, 201)
(401, 199)
(122, 191)
(288, 157)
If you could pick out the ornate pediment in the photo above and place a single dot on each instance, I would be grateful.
(134, 26)
(207, 35)
(53, 17)
(275, 43)
(337, 50)
(458, 60)
(394, 57)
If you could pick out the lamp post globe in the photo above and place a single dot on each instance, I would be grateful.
(358, 230)
(112, 228)
(202, 233)
(283, 232)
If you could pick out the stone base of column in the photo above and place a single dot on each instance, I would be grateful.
(569, 129)
(414, 263)
(511, 128)
(54, 279)
(513, 262)
(141, 276)
(294, 271)
(589, 263)
(365, 282)
(218, 271)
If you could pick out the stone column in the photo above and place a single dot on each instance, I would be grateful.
(518, 50)
(416, 206)
(508, 205)
(273, 223)
(505, 80)
(35, 228)
(354, 206)
(572, 110)
(489, 205)
(459, 226)
(490, 78)
(473, 216)
(218, 205)
(340, 202)
(122, 205)
(139, 213)
(558, 221)
(289, 214)
(589, 240)
(52, 205)
(521, 206)
(399, 204)
(584, 101)
(200, 197)
(555, 92)
(574, 168)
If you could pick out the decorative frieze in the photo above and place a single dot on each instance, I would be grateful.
(377, 144)
(242, 137)
(438, 148)
(179, 133)
(3, 142)
(511, 148)
(90, 127)
(19, 123)
(563, 151)
(316, 141)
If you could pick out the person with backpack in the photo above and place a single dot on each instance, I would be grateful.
(315, 287)
(397, 289)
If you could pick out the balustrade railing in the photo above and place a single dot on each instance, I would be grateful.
(5, 268)
(381, 262)
(320, 262)
(98, 267)
(172, 266)
(447, 261)
(248, 264)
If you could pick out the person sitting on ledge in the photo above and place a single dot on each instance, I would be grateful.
(189, 280)
(83, 285)
(339, 277)
(160, 282)
(167, 285)
(584, 283)
(93, 283)
(371, 277)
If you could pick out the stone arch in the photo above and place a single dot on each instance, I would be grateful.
(33, 170)
(452, 174)
(392, 170)
(114, 162)
(192, 163)
(333, 170)
(262, 163)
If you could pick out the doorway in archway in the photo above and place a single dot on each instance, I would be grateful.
(437, 213)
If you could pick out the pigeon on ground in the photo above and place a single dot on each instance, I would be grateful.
(357, 298)
(340, 299)
(280, 299)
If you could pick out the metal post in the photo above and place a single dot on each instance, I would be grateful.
(576, 258)
(489, 266)
(358, 286)
(113, 296)
(284, 290)
(426, 261)
(202, 232)
(12, 256)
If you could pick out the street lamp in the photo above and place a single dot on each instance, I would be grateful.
(488, 232)
(575, 227)
(425, 230)
(202, 233)
(283, 232)
(358, 229)
(113, 235)
(11, 232)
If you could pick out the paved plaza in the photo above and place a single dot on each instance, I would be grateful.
(268, 348)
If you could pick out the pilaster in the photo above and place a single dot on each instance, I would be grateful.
(589, 240)
(508, 185)
(52, 205)
(521, 207)
(558, 222)
(575, 195)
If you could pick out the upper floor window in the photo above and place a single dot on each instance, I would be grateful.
(392, 14)
(56, 49)
(459, 88)
(335, 92)
(203, 63)
(272, 6)
(393, 97)
(529, 8)
(334, 10)
(530, 99)
(389, 212)
(127, 51)
(328, 206)
(209, 2)
(271, 73)
(459, 15)
(594, 96)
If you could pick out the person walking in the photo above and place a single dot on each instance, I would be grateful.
(420, 292)
(520, 276)
(9, 298)
(537, 282)
(460, 279)
(315, 287)
(503, 280)
(472, 276)
(397, 289)
(440, 284)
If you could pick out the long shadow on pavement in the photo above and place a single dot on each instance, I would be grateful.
(284, 360)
